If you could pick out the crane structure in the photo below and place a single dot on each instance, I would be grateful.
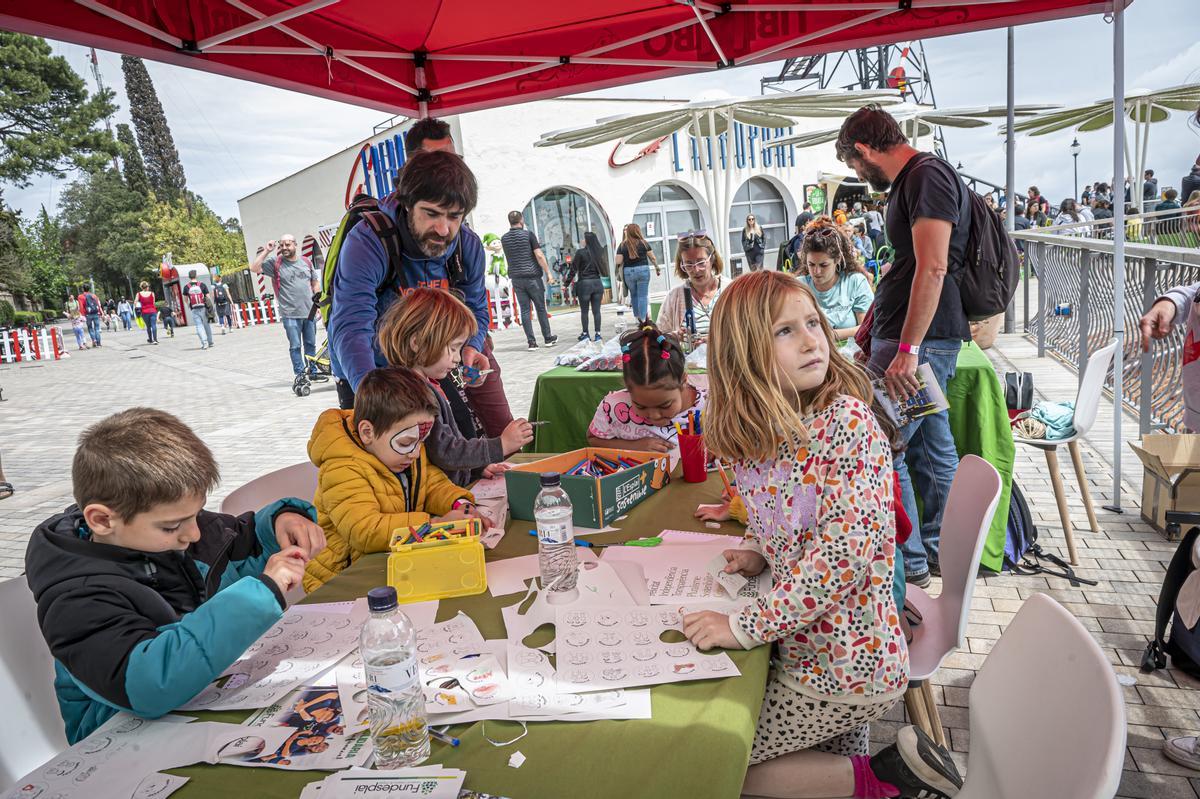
(95, 61)
(902, 67)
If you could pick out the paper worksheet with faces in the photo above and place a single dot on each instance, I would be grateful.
(626, 646)
(306, 642)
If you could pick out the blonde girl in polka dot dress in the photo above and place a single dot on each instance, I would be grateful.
(815, 472)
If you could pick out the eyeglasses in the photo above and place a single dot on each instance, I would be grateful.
(693, 264)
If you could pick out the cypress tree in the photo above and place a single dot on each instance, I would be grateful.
(131, 160)
(163, 170)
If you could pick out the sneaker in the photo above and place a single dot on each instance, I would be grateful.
(583, 336)
(919, 579)
(1183, 751)
(935, 568)
(550, 342)
(917, 766)
(155, 343)
(533, 345)
(598, 338)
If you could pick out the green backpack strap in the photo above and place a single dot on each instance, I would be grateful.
(365, 208)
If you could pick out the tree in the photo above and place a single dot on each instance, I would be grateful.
(131, 159)
(12, 274)
(192, 233)
(45, 261)
(47, 119)
(163, 169)
(102, 229)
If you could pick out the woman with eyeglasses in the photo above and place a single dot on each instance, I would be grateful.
(753, 243)
(634, 257)
(699, 265)
(830, 266)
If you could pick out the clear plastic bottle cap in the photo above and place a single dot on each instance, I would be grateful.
(550, 479)
(381, 599)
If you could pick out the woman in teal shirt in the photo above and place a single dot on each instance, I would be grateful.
(830, 266)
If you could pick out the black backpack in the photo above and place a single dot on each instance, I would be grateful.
(91, 305)
(1184, 644)
(991, 269)
(220, 294)
(1023, 554)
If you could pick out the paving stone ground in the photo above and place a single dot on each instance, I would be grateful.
(238, 397)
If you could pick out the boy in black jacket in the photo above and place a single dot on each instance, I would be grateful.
(144, 597)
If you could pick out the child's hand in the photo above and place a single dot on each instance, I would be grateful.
(713, 513)
(456, 515)
(495, 470)
(709, 630)
(518, 433)
(286, 568)
(745, 562)
(295, 529)
(653, 444)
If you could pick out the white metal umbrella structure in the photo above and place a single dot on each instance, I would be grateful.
(919, 121)
(1143, 108)
(714, 118)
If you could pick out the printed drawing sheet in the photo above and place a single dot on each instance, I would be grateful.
(120, 760)
(599, 585)
(676, 571)
(316, 734)
(625, 646)
(306, 642)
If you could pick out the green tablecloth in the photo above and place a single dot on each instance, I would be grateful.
(697, 743)
(978, 418)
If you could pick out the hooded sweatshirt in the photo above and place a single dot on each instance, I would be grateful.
(360, 501)
(1187, 312)
(145, 632)
(362, 299)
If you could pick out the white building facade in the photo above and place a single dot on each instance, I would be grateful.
(564, 193)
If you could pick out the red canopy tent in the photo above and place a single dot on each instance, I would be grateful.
(456, 55)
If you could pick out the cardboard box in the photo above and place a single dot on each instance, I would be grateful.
(1171, 478)
(596, 501)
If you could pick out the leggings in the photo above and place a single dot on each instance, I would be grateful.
(589, 291)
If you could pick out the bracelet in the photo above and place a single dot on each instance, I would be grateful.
(459, 503)
(912, 349)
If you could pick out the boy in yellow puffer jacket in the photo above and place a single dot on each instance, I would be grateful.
(373, 474)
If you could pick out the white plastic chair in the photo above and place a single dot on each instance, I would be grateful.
(299, 480)
(1087, 403)
(1065, 738)
(966, 521)
(32, 731)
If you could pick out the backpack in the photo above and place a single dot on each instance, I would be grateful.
(195, 293)
(990, 271)
(91, 305)
(1022, 553)
(365, 208)
(1177, 602)
(220, 294)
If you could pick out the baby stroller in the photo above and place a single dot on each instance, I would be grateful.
(318, 367)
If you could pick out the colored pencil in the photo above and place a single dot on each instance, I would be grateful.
(725, 479)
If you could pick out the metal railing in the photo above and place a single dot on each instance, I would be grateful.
(1072, 314)
(1178, 227)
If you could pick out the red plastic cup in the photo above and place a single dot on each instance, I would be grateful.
(694, 456)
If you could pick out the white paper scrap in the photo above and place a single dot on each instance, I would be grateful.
(491, 537)
(305, 643)
(510, 575)
(677, 572)
(732, 583)
(517, 760)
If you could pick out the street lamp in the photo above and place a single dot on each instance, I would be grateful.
(1075, 148)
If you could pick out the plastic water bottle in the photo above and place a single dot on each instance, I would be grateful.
(557, 560)
(388, 645)
(620, 322)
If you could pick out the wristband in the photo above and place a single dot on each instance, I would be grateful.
(912, 349)
(458, 503)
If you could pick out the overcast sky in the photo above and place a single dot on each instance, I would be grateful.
(235, 137)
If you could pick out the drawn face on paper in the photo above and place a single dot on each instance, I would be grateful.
(153, 786)
(645, 653)
(303, 652)
(129, 725)
(684, 668)
(610, 639)
(531, 657)
(611, 658)
(576, 618)
(647, 671)
(29, 790)
(97, 743)
(320, 637)
(63, 767)
(613, 674)
(274, 632)
(640, 639)
(275, 650)
(679, 651)
(299, 635)
(486, 691)
(580, 676)
(669, 618)
(482, 674)
(717, 665)
(233, 681)
(292, 618)
(579, 658)
(578, 639)
(607, 619)
(638, 618)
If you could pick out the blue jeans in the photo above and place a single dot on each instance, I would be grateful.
(151, 320)
(203, 328)
(93, 327)
(298, 328)
(931, 460)
(637, 280)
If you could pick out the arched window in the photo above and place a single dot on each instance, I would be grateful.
(759, 197)
(559, 217)
(665, 211)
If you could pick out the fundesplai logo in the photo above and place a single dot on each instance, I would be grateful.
(413, 787)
